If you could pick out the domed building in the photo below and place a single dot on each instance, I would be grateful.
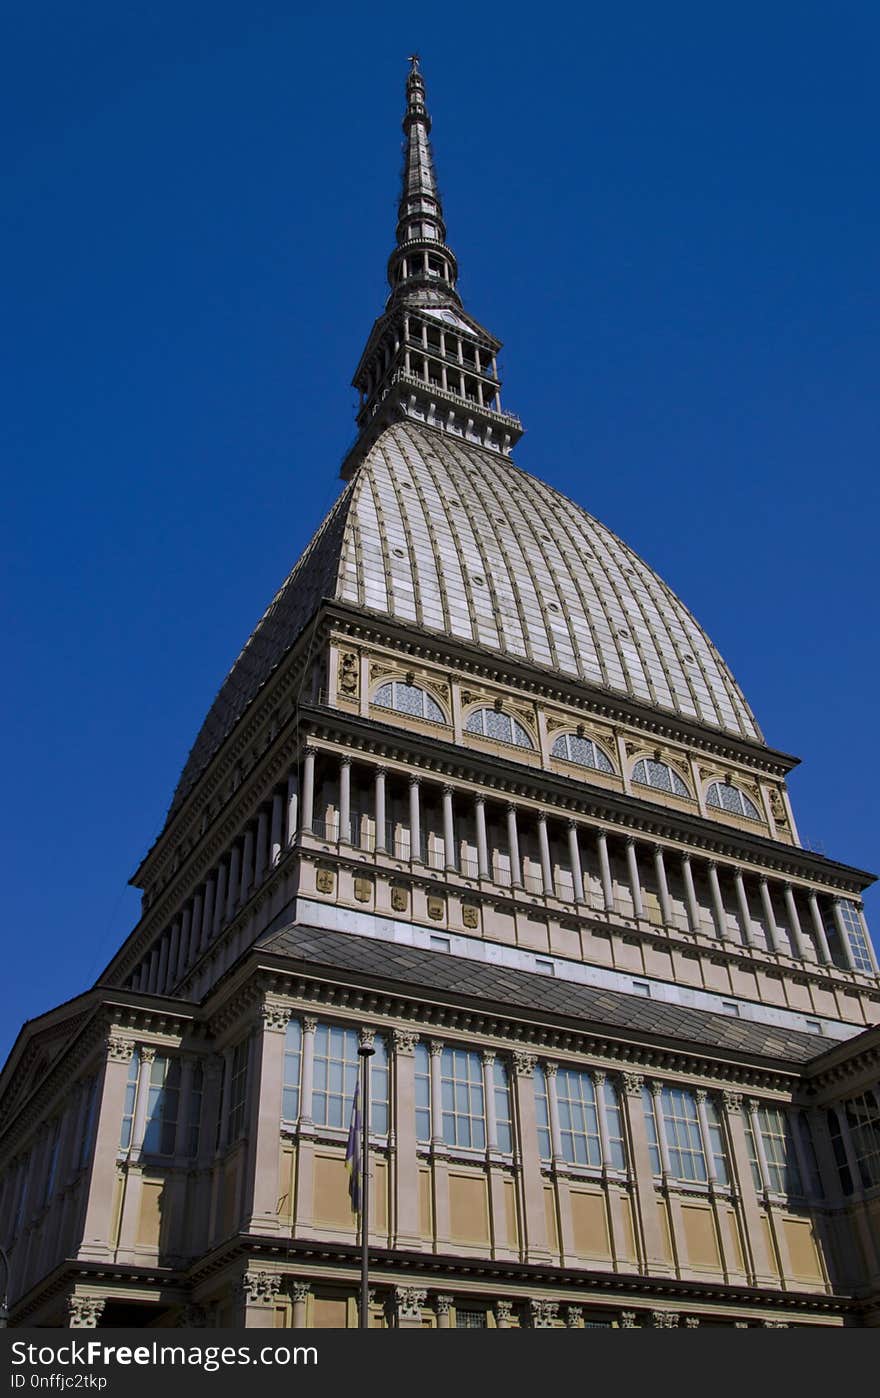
(480, 794)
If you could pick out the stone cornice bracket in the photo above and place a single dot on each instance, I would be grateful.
(275, 1018)
(404, 1041)
(299, 1291)
(85, 1311)
(261, 1288)
(119, 1050)
(524, 1063)
(632, 1084)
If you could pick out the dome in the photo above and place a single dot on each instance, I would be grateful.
(444, 536)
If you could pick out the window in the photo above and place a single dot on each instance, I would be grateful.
(163, 1097)
(642, 988)
(83, 1147)
(783, 1174)
(129, 1100)
(651, 1130)
(194, 1121)
(409, 699)
(503, 1116)
(461, 1088)
(439, 943)
(337, 1065)
(683, 1137)
(423, 1093)
(614, 1123)
(547, 968)
(730, 1007)
(491, 723)
(729, 798)
(578, 1120)
(858, 942)
(542, 1114)
(237, 1091)
(839, 1149)
(582, 751)
(52, 1161)
(660, 775)
(292, 1064)
(863, 1119)
(469, 1320)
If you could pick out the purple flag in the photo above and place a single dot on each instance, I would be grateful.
(354, 1150)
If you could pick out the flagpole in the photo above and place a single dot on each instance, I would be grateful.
(365, 1052)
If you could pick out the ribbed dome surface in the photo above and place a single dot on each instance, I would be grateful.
(455, 539)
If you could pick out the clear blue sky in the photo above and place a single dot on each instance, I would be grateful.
(668, 212)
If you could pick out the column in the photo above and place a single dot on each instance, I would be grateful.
(153, 973)
(292, 808)
(605, 871)
(260, 850)
(262, 1183)
(717, 900)
(662, 885)
(448, 830)
(309, 1025)
(849, 1148)
(443, 1308)
(170, 975)
(299, 1295)
(184, 943)
(752, 1107)
(635, 882)
(435, 1049)
(233, 890)
(415, 820)
(405, 1162)
(246, 866)
(308, 799)
(550, 1071)
(489, 1097)
(706, 1135)
(513, 847)
(742, 902)
(162, 972)
(842, 934)
(275, 837)
(774, 937)
(656, 1090)
(345, 800)
(198, 921)
(822, 946)
(139, 1124)
(482, 842)
(690, 893)
(794, 921)
(647, 1219)
(754, 1240)
(219, 899)
(379, 810)
(544, 848)
(574, 856)
(534, 1218)
(599, 1078)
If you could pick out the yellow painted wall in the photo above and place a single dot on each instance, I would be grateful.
(701, 1239)
(589, 1222)
(468, 1208)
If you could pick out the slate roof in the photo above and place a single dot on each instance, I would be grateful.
(456, 540)
(460, 979)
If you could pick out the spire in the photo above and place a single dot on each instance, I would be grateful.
(426, 359)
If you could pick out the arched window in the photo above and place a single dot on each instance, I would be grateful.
(583, 751)
(659, 775)
(490, 723)
(730, 798)
(408, 699)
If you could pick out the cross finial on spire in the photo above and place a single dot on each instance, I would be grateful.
(414, 59)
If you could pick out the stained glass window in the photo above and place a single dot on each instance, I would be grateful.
(409, 699)
(491, 723)
(729, 798)
(660, 775)
(582, 751)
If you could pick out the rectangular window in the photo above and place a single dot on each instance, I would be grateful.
(423, 1093)
(469, 1320)
(237, 1091)
(163, 1098)
(337, 1065)
(542, 1114)
(683, 1140)
(839, 1149)
(461, 1087)
(547, 968)
(863, 1119)
(503, 1116)
(752, 1152)
(87, 1131)
(194, 1121)
(129, 1101)
(439, 943)
(615, 1127)
(716, 1141)
(651, 1131)
(779, 1149)
(855, 932)
(642, 988)
(292, 1069)
(578, 1119)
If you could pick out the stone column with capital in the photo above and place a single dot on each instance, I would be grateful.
(758, 1262)
(605, 871)
(535, 1242)
(415, 820)
(308, 795)
(649, 1231)
(379, 810)
(822, 947)
(482, 840)
(719, 912)
(774, 936)
(439, 1168)
(97, 1243)
(635, 881)
(262, 1187)
(292, 817)
(299, 1295)
(258, 1295)
(449, 858)
(574, 859)
(304, 1200)
(407, 1303)
(443, 1310)
(690, 894)
(405, 1162)
(662, 886)
(794, 921)
(742, 903)
(544, 850)
(84, 1312)
(345, 799)
(513, 847)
